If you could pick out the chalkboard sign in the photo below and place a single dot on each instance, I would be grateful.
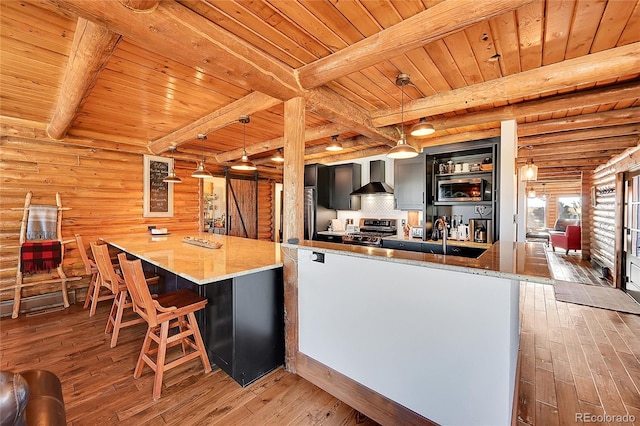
(158, 195)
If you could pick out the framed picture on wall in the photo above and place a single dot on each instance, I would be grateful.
(158, 195)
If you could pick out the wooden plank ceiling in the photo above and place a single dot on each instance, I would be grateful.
(143, 75)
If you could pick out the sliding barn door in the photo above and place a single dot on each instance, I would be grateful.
(242, 207)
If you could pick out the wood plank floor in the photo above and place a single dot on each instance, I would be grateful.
(571, 267)
(574, 359)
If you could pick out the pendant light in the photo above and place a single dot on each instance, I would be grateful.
(531, 193)
(402, 149)
(422, 129)
(277, 157)
(201, 172)
(528, 172)
(244, 163)
(334, 145)
(171, 177)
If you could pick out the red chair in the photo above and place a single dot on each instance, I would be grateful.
(569, 240)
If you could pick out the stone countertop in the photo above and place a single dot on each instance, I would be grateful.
(450, 242)
(237, 256)
(520, 261)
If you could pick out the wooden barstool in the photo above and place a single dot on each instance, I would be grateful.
(115, 282)
(167, 311)
(94, 293)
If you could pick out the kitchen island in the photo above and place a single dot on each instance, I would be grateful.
(410, 337)
(243, 323)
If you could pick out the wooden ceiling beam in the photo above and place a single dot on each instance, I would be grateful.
(337, 109)
(444, 139)
(309, 135)
(579, 136)
(355, 142)
(600, 144)
(224, 116)
(567, 161)
(604, 65)
(175, 31)
(369, 152)
(92, 47)
(140, 5)
(615, 117)
(548, 105)
(433, 24)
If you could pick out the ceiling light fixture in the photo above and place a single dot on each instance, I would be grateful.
(528, 172)
(171, 177)
(244, 164)
(422, 129)
(402, 149)
(531, 193)
(277, 157)
(200, 171)
(334, 145)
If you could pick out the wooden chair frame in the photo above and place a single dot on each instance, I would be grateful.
(94, 292)
(121, 301)
(170, 310)
(63, 279)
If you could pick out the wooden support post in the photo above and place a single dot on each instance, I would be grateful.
(293, 218)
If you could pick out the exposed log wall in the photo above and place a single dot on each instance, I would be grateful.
(103, 188)
(606, 215)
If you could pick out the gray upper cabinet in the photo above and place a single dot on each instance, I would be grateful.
(345, 178)
(409, 183)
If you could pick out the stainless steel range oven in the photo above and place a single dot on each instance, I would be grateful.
(371, 232)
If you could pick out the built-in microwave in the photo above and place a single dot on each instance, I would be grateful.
(471, 189)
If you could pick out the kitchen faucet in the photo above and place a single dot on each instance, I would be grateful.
(444, 233)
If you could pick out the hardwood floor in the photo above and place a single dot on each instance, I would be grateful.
(99, 388)
(573, 360)
(571, 267)
(576, 360)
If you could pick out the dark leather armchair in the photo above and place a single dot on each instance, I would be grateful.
(31, 397)
(570, 239)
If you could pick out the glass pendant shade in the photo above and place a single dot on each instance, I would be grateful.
(402, 150)
(529, 172)
(278, 158)
(201, 172)
(422, 129)
(531, 193)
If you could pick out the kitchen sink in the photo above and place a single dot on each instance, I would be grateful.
(436, 248)
(432, 247)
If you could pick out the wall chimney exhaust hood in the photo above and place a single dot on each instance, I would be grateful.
(377, 185)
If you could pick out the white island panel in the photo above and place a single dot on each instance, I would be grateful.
(442, 343)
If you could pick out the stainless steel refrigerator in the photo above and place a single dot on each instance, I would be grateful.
(316, 216)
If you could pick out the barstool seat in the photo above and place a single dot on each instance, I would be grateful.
(167, 311)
